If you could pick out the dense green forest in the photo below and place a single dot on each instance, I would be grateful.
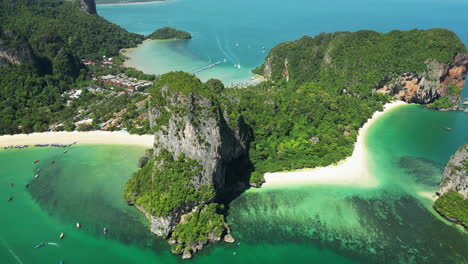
(300, 126)
(47, 39)
(169, 33)
(358, 60)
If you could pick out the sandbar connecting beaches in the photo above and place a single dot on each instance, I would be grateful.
(92, 137)
(350, 171)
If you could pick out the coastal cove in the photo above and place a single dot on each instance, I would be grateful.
(351, 171)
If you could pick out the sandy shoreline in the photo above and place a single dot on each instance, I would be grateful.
(128, 54)
(92, 137)
(351, 171)
(137, 3)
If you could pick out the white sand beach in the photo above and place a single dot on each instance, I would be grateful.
(351, 171)
(136, 2)
(92, 137)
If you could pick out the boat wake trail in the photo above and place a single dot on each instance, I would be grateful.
(222, 50)
(12, 252)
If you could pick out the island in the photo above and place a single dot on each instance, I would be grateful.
(452, 201)
(169, 33)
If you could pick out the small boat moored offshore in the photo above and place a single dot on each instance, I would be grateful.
(10, 198)
(52, 162)
(61, 235)
(78, 225)
(36, 161)
(36, 176)
(65, 151)
(40, 245)
(105, 231)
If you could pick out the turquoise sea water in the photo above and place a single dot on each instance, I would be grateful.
(243, 31)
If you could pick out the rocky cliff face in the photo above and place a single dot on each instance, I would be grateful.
(201, 132)
(455, 177)
(88, 6)
(192, 124)
(426, 87)
(20, 53)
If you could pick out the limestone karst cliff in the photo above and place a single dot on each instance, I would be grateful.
(88, 6)
(424, 88)
(197, 147)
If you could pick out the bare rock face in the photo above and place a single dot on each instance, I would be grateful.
(208, 140)
(88, 6)
(455, 177)
(161, 226)
(426, 87)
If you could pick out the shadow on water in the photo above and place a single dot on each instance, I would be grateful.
(423, 171)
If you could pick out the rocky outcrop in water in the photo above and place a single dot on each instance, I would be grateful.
(88, 6)
(455, 177)
(426, 87)
(191, 127)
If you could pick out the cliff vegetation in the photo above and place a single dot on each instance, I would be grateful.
(454, 207)
(164, 185)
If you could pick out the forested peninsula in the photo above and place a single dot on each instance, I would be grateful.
(61, 70)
